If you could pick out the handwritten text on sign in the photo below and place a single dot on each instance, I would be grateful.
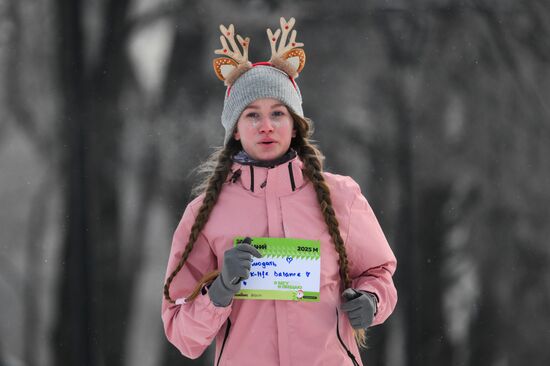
(289, 270)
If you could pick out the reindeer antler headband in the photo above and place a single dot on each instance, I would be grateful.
(287, 56)
(247, 82)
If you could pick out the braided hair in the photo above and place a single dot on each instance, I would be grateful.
(218, 167)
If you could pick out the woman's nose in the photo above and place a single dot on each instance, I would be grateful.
(265, 125)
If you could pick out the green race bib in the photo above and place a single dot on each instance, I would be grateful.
(289, 270)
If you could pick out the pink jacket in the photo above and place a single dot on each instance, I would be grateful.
(278, 202)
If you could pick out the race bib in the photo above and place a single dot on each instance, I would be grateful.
(290, 269)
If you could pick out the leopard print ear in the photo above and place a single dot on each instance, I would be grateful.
(234, 63)
(287, 56)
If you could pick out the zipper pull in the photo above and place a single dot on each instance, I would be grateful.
(264, 184)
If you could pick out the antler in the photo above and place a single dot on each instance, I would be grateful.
(234, 52)
(234, 63)
(285, 51)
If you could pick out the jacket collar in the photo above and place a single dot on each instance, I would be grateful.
(281, 179)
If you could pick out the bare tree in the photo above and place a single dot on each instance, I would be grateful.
(92, 313)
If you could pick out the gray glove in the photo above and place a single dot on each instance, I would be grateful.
(360, 306)
(236, 267)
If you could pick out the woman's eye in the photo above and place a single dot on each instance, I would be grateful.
(252, 115)
(278, 113)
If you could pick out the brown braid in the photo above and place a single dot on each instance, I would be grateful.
(313, 169)
(213, 186)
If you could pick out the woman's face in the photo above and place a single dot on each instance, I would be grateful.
(265, 129)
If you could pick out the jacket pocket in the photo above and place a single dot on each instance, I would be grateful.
(224, 340)
(349, 353)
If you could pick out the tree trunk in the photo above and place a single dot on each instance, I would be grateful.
(75, 327)
(92, 322)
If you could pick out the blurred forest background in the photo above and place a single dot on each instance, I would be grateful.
(438, 108)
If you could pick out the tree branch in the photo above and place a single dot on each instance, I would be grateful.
(509, 59)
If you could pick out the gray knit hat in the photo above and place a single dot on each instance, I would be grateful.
(248, 82)
(260, 81)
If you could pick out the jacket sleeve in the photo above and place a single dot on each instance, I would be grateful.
(191, 327)
(371, 260)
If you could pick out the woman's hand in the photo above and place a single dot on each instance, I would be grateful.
(360, 306)
(236, 267)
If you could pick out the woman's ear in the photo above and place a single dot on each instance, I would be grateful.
(236, 135)
(294, 132)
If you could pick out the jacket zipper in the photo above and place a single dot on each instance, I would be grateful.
(224, 340)
(291, 174)
(251, 178)
(350, 355)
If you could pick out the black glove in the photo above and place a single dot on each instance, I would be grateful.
(236, 267)
(361, 307)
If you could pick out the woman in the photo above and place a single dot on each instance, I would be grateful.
(267, 181)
